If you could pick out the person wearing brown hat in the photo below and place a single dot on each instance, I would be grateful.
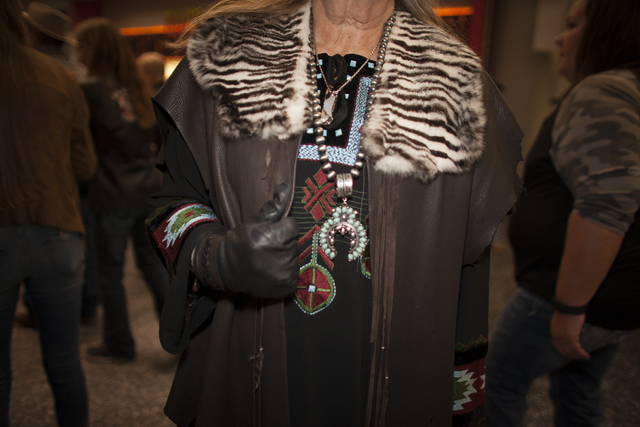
(45, 147)
(50, 30)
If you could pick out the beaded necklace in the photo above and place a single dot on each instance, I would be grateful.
(343, 218)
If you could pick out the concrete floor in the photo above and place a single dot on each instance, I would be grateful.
(130, 395)
(134, 394)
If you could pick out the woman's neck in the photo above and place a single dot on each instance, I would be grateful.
(349, 26)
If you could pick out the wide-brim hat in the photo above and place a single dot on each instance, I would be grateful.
(50, 21)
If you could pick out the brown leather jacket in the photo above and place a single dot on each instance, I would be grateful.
(59, 132)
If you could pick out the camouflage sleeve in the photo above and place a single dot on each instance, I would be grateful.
(596, 148)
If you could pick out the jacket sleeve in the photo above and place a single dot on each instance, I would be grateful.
(496, 187)
(596, 149)
(183, 217)
(496, 184)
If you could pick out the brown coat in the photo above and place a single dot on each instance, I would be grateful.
(59, 133)
(428, 241)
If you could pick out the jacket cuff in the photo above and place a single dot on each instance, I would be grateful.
(171, 225)
(184, 310)
(204, 260)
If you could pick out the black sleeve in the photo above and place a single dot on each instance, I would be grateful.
(182, 179)
(183, 215)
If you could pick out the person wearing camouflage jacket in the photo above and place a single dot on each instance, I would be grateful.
(582, 175)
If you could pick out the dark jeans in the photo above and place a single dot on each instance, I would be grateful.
(51, 265)
(112, 230)
(90, 284)
(520, 350)
(89, 305)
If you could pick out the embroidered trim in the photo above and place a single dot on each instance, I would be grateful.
(469, 377)
(316, 288)
(468, 390)
(345, 156)
(171, 225)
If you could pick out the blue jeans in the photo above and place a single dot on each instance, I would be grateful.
(520, 350)
(51, 265)
(112, 230)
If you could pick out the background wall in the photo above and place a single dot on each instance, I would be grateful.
(523, 58)
(140, 13)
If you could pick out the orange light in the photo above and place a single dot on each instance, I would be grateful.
(156, 29)
(454, 11)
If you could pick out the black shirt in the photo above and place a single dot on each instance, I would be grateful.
(328, 320)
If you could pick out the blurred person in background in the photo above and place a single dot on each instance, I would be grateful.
(152, 65)
(123, 128)
(50, 32)
(45, 146)
(576, 234)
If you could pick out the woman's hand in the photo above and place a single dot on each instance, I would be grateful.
(588, 255)
(565, 335)
(260, 258)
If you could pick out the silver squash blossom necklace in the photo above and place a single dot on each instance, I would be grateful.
(343, 218)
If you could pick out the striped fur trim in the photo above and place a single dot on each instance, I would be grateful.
(258, 68)
(428, 115)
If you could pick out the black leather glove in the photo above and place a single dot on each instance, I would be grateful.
(260, 258)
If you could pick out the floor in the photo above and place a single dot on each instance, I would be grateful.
(134, 394)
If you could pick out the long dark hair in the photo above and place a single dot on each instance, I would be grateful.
(111, 53)
(17, 162)
(611, 38)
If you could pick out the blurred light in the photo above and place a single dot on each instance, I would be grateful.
(155, 29)
(170, 64)
(454, 11)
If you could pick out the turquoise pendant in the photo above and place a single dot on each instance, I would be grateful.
(343, 222)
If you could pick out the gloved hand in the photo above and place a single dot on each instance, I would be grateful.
(260, 257)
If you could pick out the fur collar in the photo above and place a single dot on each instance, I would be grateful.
(428, 115)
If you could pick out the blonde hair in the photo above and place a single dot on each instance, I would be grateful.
(110, 52)
(152, 65)
(422, 10)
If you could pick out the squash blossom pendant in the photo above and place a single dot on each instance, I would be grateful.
(343, 222)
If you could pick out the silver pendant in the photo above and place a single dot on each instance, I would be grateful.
(343, 222)
(327, 108)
